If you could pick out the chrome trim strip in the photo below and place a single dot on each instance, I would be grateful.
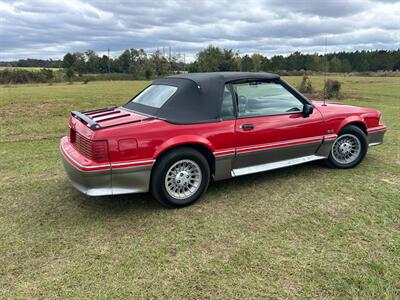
(133, 162)
(80, 165)
(330, 137)
(275, 165)
(375, 144)
(224, 151)
(377, 128)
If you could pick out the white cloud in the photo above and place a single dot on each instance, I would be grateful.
(42, 29)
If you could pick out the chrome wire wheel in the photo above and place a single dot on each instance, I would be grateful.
(346, 149)
(183, 179)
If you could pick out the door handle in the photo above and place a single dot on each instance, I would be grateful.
(247, 127)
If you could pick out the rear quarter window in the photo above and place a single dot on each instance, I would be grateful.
(155, 95)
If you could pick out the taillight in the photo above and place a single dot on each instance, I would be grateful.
(71, 135)
(94, 150)
(100, 151)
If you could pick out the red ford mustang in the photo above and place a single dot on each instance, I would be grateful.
(184, 130)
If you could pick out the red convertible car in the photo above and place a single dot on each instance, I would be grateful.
(185, 130)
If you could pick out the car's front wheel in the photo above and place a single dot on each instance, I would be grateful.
(349, 148)
(180, 177)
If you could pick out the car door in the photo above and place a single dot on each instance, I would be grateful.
(271, 127)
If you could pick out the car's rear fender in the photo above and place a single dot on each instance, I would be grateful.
(182, 140)
(220, 166)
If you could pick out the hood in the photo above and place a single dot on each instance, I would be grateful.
(340, 108)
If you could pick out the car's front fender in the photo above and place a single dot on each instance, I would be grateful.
(349, 120)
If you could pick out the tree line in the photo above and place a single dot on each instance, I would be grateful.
(138, 64)
(144, 65)
(133, 61)
(32, 63)
(216, 59)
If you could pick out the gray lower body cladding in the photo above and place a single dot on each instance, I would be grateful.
(274, 154)
(275, 158)
(376, 137)
(109, 182)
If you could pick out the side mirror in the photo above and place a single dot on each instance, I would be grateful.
(307, 110)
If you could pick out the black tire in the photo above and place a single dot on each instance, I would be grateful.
(349, 131)
(158, 180)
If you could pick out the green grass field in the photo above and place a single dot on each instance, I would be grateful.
(300, 232)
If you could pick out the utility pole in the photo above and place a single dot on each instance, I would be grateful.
(108, 61)
(325, 71)
(169, 59)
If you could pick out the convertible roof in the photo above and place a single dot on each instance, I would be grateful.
(206, 78)
(198, 98)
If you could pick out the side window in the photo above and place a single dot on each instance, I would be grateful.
(227, 105)
(265, 99)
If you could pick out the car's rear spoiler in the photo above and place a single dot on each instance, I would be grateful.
(87, 117)
(82, 117)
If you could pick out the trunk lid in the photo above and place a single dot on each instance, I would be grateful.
(108, 117)
(84, 125)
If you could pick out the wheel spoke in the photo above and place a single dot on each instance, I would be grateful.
(346, 148)
(183, 179)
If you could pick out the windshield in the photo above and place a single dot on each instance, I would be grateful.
(155, 95)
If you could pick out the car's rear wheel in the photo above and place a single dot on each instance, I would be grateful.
(349, 148)
(180, 177)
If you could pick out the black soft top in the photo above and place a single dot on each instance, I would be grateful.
(225, 76)
(198, 98)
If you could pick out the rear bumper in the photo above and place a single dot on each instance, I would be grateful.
(375, 135)
(104, 179)
(94, 183)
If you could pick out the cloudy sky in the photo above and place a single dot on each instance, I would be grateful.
(50, 28)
